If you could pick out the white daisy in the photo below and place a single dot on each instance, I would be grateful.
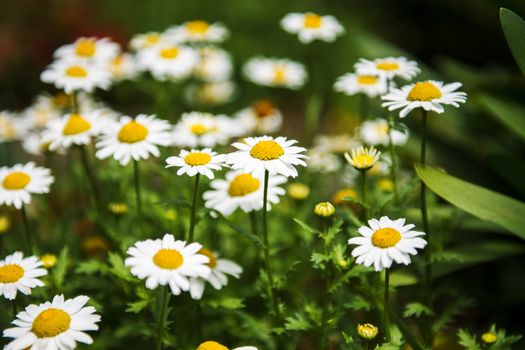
(168, 61)
(310, 26)
(72, 129)
(385, 241)
(198, 31)
(123, 66)
(167, 262)
(197, 162)
(389, 67)
(276, 155)
(363, 158)
(18, 182)
(20, 274)
(214, 93)
(41, 112)
(197, 129)
(322, 161)
(35, 145)
(214, 65)
(242, 190)
(429, 95)
(263, 117)
(91, 49)
(133, 138)
(145, 40)
(371, 85)
(56, 325)
(12, 127)
(275, 72)
(213, 345)
(74, 75)
(218, 278)
(376, 132)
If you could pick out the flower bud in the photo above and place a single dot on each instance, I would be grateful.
(367, 331)
(325, 209)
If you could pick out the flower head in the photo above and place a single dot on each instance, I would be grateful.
(73, 75)
(195, 162)
(367, 331)
(298, 190)
(213, 345)
(20, 274)
(214, 65)
(262, 117)
(325, 209)
(430, 95)
(368, 83)
(275, 72)
(72, 129)
(363, 158)
(18, 182)
(389, 67)
(168, 61)
(48, 260)
(377, 132)
(311, 26)
(489, 337)
(89, 50)
(198, 31)
(385, 241)
(197, 129)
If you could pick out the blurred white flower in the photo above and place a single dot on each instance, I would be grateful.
(275, 72)
(310, 26)
(370, 84)
(376, 132)
(198, 31)
(389, 67)
(262, 117)
(76, 75)
(167, 61)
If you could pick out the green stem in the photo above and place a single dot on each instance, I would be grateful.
(90, 175)
(29, 242)
(162, 316)
(312, 113)
(74, 103)
(363, 107)
(136, 177)
(393, 156)
(364, 195)
(193, 208)
(267, 247)
(253, 223)
(386, 305)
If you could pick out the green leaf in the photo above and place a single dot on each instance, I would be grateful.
(298, 322)
(467, 340)
(451, 311)
(510, 114)
(117, 267)
(137, 306)
(514, 29)
(478, 201)
(229, 303)
(416, 309)
(60, 270)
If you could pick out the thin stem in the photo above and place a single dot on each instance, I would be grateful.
(90, 175)
(193, 208)
(386, 305)
(138, 199)
(393, 156)
(267, 247)
(29, 241)
(74, 103)
(162, 317)
(364, 195)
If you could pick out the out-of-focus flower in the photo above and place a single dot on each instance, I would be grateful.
(389, 67)
(5, 223)
(118, 208)
(123, 66)
(215, 93)
(363, 158)
(89, 49)
(48, 260)
(370, 84)
(338, 144)
(19, 274)
(339, 197)
(74, 75)
(197, 129)
(212, 345)
(376, 132)
(95, 245)
(263, 117)
(385, 185)
(145, 40)
(195, 162)
(198, 31)
(310, 26)
(168, 61)
(12, 127)
(275, 72)
(19, 182)
(214, 65)
(298, 190)
(323, 161)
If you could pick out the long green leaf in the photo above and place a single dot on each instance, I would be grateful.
(509, 114)
(514, 29)
(478, 201)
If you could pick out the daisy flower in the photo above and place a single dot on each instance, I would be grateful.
(12, 127)
(218, 278)
(213, 93)
(168, 61)
(369, 84)
(204, 129)
(20, 274)
(123, 66)
(145, 40)
(242, 190)
(214, 65)
(35, 145)
(167, 262)
(75, 75)
(376, 132)
(197, 162)
(198, 31)
(92, 49)
(41, 112)
(18, 182)
(389, 67)
(276, 155)
(58, 325)
(430, 95)
(213, 345)
(133, 138)
(72, 129)
(310, 26)
(263, 117)
(384, 241)
(363, 158)
(275, 72)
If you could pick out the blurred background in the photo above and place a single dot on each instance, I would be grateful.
(454, 40)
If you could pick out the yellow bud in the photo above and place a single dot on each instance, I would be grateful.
(325, 209)
(118, 208)
(367, 331)
(298, 190)
(4, 224)
(49, 260)
(385, 185)
(489, 337)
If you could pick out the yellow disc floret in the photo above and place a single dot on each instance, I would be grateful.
(367, 331)
(169, 259)
(386, 237)
(263, 108)
(169, 53)
(76, 72)
(387, 66)
(367, 79)
(197, 158)
(424, 91)
(279, 75)
(197, 27)
(16, 181)
(76, 124)
(267, 150)
(242, 185)
(86, 47)
(213, 258)
(50, 323)
(132, 132)
(312, 20)
(199, 129)
(11, 273)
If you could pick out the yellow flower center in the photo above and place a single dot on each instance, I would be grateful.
(117, 61)
(169, 259)
(86, 47)
(367, 79)
(279, 75)
(132, 132)
(267, 150)
(386, 237)
(424, 91)
(197, 158)
(387, 66)
(363, 160)
(51, 322)
(381, 128)
(76, 125)
(211, 345)
(199, 129)
(76, 72)
(263, 108)
(213, 259)
(242, 185)
(197, 27)
(312, 20)
(489, 337)
(16, 181)
(169, 53)
(152, 39)
(11, 273)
